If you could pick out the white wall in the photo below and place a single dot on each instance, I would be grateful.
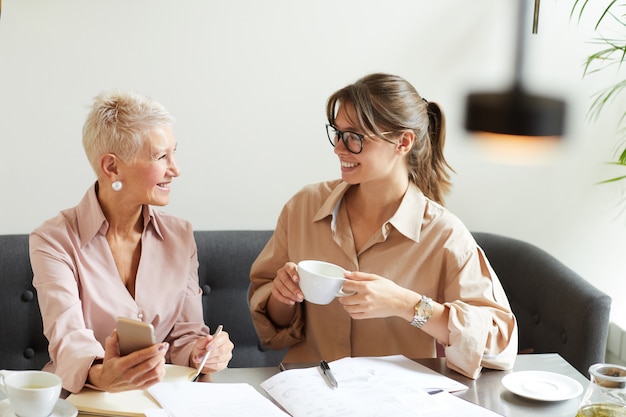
(247, 81)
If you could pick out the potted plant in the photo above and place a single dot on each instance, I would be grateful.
(611, 53)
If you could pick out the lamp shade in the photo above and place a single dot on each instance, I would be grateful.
(515, 112)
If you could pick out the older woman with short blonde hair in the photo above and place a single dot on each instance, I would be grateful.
(115, 255)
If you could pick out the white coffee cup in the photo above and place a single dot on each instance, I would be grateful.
(31, 393)
(320, 281)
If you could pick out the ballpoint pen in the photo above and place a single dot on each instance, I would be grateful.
(206, 355)
(434, 391)
(328, 374)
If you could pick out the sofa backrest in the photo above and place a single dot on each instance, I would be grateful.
(224, 274)
(557, 310)
(22, 343)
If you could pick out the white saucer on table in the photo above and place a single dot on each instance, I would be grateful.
(542, 386)
(61, 409)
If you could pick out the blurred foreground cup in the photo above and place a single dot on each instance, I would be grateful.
(31, 393)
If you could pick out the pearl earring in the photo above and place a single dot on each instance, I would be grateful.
(116, 185)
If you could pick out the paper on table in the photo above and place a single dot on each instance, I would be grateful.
(400, 369)
(131, 403)
(199, 399)
(392, 385)
(157, 412)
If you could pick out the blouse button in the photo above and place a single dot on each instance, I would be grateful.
(140, 316)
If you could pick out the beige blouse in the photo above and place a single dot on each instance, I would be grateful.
(422, 247)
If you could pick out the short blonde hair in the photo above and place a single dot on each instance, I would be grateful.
(118, 122)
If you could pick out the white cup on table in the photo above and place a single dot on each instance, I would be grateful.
(31, 393)
(320, 281)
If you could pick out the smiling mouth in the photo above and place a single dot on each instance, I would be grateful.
(164, 185)
(348, 164)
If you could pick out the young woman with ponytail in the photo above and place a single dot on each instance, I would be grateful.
(419, 278)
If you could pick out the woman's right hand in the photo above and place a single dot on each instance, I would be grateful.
(286, 288)
(137, 370)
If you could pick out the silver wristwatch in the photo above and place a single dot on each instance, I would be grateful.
(423, 311)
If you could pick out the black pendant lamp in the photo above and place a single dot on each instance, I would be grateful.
(516, 114)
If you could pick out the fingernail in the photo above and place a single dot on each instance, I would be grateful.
(164, 346)
(300, 297)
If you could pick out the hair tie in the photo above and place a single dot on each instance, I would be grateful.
(425, 101)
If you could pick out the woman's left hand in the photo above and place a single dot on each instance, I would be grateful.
(221, 352)
(375, 297)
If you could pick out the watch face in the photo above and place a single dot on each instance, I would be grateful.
(425, 308)
(423, 312)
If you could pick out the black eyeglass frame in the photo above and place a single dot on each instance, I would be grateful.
(341, 134)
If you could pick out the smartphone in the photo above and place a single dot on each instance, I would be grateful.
(133, 335)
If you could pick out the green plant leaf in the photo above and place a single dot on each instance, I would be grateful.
(606, 11)
(610, 180)
(604, 96)
(622, 158)
(611, 54)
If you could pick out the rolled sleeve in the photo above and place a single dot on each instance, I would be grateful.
(483, 330)
(269, 334)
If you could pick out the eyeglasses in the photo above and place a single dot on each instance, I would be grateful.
(351, 140)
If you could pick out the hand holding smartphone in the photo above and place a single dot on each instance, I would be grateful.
(134, 335)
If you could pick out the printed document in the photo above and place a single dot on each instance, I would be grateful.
(370, 387)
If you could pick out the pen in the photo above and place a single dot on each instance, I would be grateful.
(328, 374)
(206, 355)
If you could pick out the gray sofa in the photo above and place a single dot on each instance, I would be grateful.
(557, 310)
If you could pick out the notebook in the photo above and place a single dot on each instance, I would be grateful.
(132, 403)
